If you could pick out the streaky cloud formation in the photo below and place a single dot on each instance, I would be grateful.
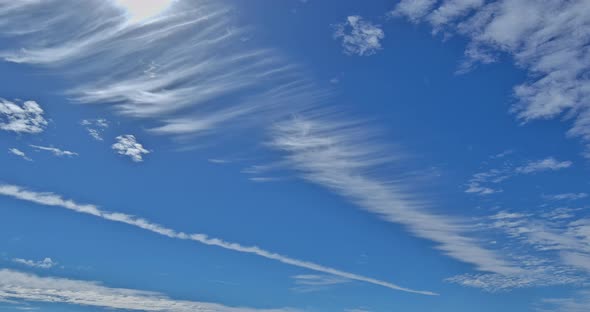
(18, 286)
(25, 117)
(50, 199)
(55, 151)
(547, 164)
(95, 127)
(343, 156)
(19, 153)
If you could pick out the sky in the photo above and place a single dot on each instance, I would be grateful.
(295, 155)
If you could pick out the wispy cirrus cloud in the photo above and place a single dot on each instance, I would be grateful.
(50, 199)
(552, 44)
(566, 196)
(359, 36)
(46, 263)
(54, 150)
(127, 145)
(21, 117)
(547, 164)
(17, 287)
(19, 153)
(316, 282)
(344, 156)
(95, 127)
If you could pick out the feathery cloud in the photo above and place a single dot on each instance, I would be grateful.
(50, 199)
(566, 196)
(95, 127)
(55, 151)
(19, 153)
(547, 164)
(127, 145)
(358, 36)
(25, 117)
(17, 287)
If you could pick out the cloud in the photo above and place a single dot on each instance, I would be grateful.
(187, 70)
(26, 117)
(578, 303)
(344, 156)
(547, 164)
(358, 36)
(566, 196)
(314, 282)
(551, 43)
(50, 199)
(55, 151)
(127, 145)
(19, 153)
(18, 286)
(95, 127)
(46, 263)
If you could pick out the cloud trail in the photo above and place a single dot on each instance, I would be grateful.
(50, 199)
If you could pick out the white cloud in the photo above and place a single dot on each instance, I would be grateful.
(127, 145)
(547, 164)
(46, 263)
(26, 117)
(51, 199)
(55, 151)
(566, 196)
(315, 282)
(343, 156)
(549, 39)
(358, 36)
(18, 286)
(95, 127)
(19, 153)
(141, 10)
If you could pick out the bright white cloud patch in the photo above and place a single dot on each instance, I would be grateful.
(25, 117)
(46, 263)
(55, 151)
(140, 10)
(127, 145)
(550, 39)
(18, 287)
(358, 36)
(19, 153)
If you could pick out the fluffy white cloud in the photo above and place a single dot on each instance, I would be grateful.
(550, 39)
(19, 153)
(17, 287)
(54, 200)
(55, 151)
(127, 145)
(25, 117)
(46, 263)
(358, 36)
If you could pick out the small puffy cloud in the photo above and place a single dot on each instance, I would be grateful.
(127, 145)
(46, 263)
(19, 153)
(55, 151)
(547, 164)
(26, 117)
(358, 36)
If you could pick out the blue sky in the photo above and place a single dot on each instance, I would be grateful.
(354, 156)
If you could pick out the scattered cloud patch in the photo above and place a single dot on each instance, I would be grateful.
(55, 151)
(19, 153)
(127, 145)
(95, 127)
(46, 263)
(358, 36)
(566, 196)
(25, 117)
(547, 164)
